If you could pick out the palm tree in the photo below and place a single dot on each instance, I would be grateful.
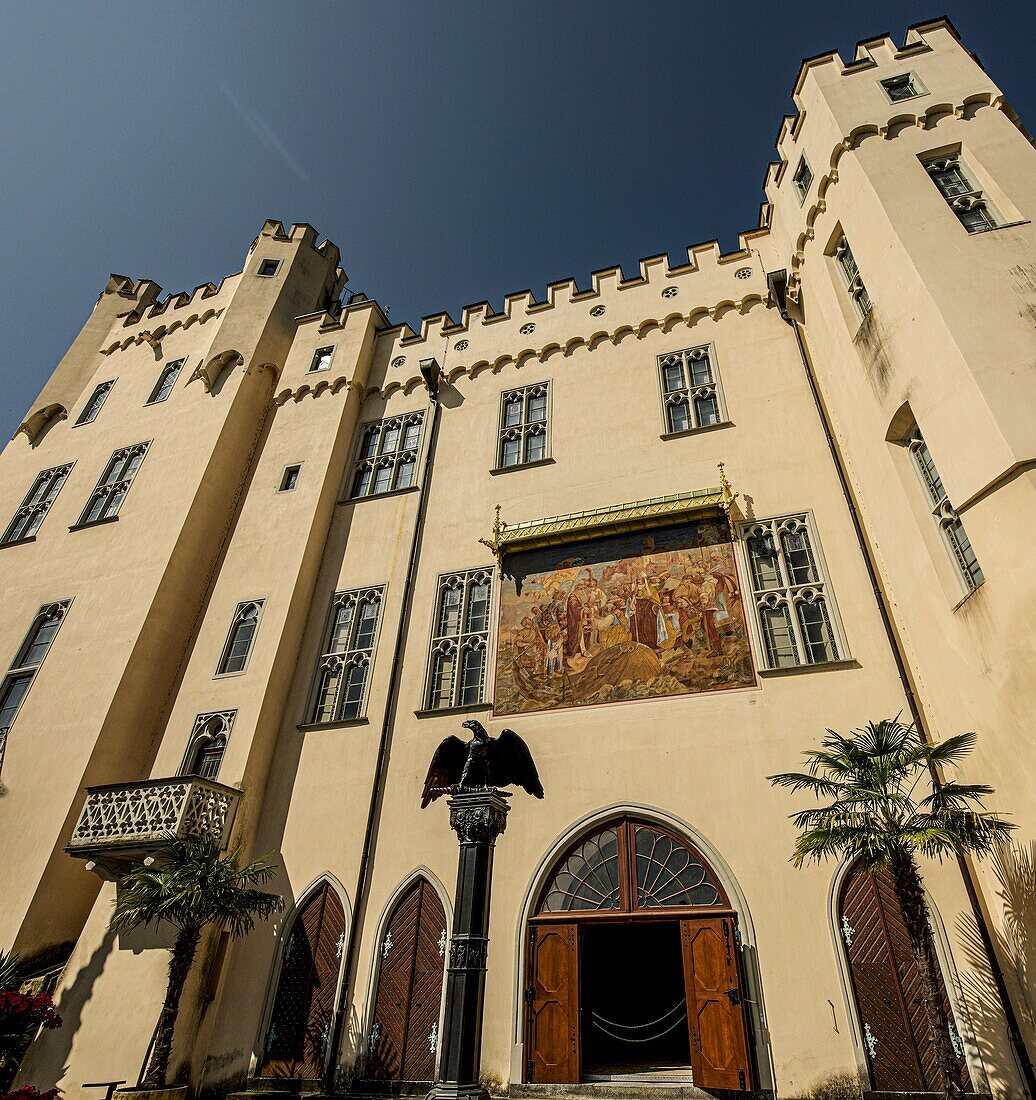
(190, 885)
(888, 805)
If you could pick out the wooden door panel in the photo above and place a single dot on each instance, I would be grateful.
(552, 1027)
(719, 1051)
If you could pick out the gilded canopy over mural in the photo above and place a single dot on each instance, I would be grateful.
(629, 616)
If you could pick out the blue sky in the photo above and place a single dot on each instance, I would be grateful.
(453, 151)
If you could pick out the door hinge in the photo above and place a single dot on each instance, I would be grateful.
(530, 1070)
(530, 994)
(734, 995)
(741, 1080)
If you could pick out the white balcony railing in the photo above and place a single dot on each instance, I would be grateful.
(126, 816)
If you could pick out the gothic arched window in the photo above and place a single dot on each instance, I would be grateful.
(239, 641)
(207, 744)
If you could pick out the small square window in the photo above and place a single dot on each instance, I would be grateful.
(268, 268)
(322, 358)
(904, 86)
(290, 478)
(802, 179)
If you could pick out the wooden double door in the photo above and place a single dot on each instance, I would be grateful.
(705, 1023)
(887, 989)
(404, 1035)
(303, 1009)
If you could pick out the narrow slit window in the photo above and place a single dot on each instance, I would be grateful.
(15, 685)
(691, 395)
(239, 641)
(166, 381)
(34, 508)
(343, 672)
(460, 640)
(943, 512)
(791, 593)
(111, 490)
(524, 426)
(93, 406)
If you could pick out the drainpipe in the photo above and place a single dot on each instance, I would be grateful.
(432, 374)
(777, 281)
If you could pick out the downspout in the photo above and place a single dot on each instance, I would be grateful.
(777, 282)
(432, 375)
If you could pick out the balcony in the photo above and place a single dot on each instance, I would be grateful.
(124, 821)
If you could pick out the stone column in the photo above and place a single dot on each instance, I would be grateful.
(478, 817)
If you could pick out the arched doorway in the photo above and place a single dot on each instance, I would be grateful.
(886, 988)
(404, 1033)
(303, 1008)
(633, 966)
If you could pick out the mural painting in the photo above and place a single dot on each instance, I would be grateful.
(630, 616)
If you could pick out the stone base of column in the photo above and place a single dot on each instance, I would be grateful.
(447, 1091)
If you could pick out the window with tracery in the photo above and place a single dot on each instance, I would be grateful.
(791, 593)
(343, 671)
(15, 685)
(238, 645)
(36, 505)
(629, 866)
(166, 381)
(93, 406)
(944, 513)
(387, 456)
(460, 640)
(691, 394)
(111, 490)
(524, 426)
(207, 744)
(963, 195)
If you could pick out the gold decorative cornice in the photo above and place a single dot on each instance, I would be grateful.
(615, 519)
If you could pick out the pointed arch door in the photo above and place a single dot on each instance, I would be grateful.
(404, 1033)
(300, 1025)
(886, 988)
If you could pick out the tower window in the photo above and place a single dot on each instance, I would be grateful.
(524, 426)
(268, 268)
(164, 385)
(945, 514)
(802, 179)
(691, 394)
(111, 490)
(460, 640)
(961, 193)
(851, 273)
(93, 406)
(322, 359)
(387, 455)
(340, 693)
(795, 614)
(15, 685)
(903, 86)
(290, 478)
(36, 505)
(238, 645)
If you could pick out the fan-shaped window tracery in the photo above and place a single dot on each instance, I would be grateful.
(629, 866)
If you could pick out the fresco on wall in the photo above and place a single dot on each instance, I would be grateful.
(631, 616)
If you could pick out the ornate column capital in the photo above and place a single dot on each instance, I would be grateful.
(479, 817)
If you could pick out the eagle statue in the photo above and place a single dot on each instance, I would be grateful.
(481, 764)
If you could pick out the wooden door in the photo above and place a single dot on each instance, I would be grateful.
(887, 988)
(404, 1035)
(715, 1004)
(303, 1009)
(552, 997)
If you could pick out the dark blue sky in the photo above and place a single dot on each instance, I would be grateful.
(453, 151)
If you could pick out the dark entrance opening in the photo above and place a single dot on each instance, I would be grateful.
(634, 999)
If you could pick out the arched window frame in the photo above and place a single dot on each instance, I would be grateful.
(166, 380)
(210, 729)
(242, 613)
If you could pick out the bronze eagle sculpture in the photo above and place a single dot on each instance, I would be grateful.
(481, 764)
